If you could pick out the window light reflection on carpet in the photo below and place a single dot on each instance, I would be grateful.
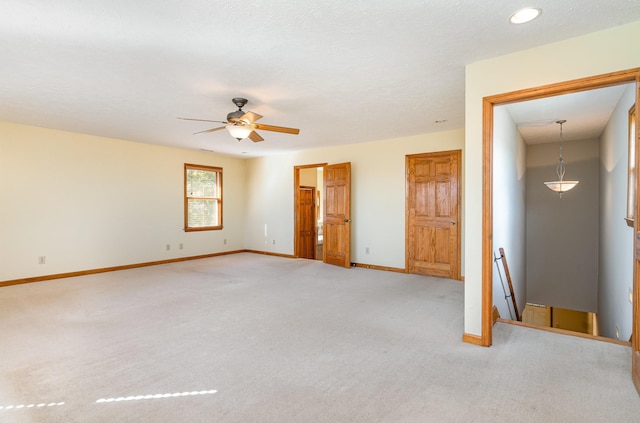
(22, 406)
(154, 396)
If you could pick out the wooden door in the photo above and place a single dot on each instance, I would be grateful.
(307, 222)
(433, 198)
(337, 214)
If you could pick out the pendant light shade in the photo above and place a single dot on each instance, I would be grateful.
(239, 132)
(561, 185)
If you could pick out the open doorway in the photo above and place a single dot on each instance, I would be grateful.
(621, 77)
(333, 203)
(308, 198)
(570, 255)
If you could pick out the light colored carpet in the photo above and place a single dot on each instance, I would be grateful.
(283, 340)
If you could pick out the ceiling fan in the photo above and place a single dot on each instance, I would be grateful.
(241, 124)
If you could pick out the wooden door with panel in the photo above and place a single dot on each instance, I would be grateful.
(337, 214)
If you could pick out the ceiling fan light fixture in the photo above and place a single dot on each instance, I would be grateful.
(242, 125)
(525, 15)
(239, 132)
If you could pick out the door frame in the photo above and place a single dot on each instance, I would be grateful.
(488, 103)
(296, 222)
(457, 272)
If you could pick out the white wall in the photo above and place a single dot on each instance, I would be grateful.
(563, 233)
(509, 215)
(377, 195)
(616, 237)
(87, 202)
(593, 54)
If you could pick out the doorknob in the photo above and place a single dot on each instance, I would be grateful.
(347, 220)
(453, 222)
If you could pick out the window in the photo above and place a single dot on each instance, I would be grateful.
(631, 175)
(202, 198)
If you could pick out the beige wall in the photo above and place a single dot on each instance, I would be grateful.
(593, 54)
(87, 202)
(378, 195)
(309, 177)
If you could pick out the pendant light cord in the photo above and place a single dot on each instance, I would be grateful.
(560, 168)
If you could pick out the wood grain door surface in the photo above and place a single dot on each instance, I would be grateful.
(433, 244)
(337, 214)
(307, 219)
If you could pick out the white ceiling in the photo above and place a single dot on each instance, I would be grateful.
(341, 71)
(586, 114)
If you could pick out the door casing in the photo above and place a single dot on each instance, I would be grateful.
(583, 84)
(296, 199)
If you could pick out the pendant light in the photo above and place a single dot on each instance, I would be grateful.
(561, 185)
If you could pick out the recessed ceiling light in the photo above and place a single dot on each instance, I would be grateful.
(525, 15)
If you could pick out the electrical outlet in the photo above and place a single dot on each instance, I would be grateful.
(366, 250)
(42, 260)
(225, 241)
(168, 247)
(274, 242)
(180, 246)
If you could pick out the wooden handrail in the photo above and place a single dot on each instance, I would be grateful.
(508, 276)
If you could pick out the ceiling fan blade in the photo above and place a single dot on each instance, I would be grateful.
(203, 120)
(251, 117)
(255, 137)
(294, 131)
(209, 130)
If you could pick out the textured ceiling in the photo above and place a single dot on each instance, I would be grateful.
(586, 114)
(341, 71)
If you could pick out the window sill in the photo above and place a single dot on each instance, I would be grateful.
(205, 228)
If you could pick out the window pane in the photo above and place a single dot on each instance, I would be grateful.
(202, 197)
(201, 183)
(202, 213)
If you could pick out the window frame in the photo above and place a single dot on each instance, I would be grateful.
(631, 170)
(218, 198)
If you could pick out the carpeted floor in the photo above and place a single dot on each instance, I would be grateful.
(252, 338)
